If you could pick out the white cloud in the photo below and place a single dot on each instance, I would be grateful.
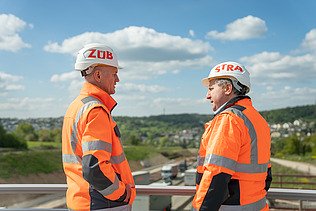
(10, 82)
(241, 29)
(140, 88)
(174, 101)
(143, 70)
(27, 104)
(75, 87)
(273, 65)
(177, 105)
(68, 76)
(10, 40)
(191, 33)
(309, 42)
(283, 80)
(137, 43)
(72, 81)
(286, 96)
(140, 105)
(143, 52)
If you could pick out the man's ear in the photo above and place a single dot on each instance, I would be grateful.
(97, 75)
(228, 89)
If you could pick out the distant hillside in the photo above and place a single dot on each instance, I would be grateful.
(173, 121)
(306, 113)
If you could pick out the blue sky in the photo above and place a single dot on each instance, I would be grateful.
(166, 47)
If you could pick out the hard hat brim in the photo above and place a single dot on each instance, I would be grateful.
(205, 82)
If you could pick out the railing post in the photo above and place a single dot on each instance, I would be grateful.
(300, 205)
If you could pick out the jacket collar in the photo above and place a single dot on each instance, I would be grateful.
(92, 90)
(230, 103)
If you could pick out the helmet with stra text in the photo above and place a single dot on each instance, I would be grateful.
(95, 54)
(232, 70)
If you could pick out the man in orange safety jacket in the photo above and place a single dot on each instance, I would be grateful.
(98, 174)
(233, 171)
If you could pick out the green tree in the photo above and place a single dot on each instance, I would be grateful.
(277, 147)
(2, 132)
(134, 138)
(292, 145)
(45, 135)
(313, 145)
(307, 146)
(57, 135)
(25, 131)
(164, 141)
(8, 140)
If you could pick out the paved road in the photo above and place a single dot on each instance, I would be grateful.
(299, 166)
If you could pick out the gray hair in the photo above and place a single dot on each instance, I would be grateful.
(224, 81)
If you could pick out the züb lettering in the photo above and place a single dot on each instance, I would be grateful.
(94, 53)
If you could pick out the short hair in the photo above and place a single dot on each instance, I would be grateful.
(224, 81)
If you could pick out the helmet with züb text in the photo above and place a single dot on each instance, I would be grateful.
(95, 54)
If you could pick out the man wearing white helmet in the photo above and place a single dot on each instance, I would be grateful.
(98, 174)
(233, 171)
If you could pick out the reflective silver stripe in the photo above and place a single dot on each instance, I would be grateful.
(252, 133)
(235, 166)
(96, 145)
(111, 188)
(70, 159)
(117, 159)
(220, 161)
(252, 168)
(200, 160)
(88, 102)
(258, 205)
(119, 208)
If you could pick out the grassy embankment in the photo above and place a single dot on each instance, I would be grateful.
(24, 163)
(46, 158)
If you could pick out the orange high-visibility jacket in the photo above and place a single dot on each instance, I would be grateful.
(233, 170)
(93, 159)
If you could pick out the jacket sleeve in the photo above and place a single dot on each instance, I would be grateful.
(224, 141)
(97, 148)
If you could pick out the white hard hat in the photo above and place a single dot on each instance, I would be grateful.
(232, 70)
(94, 54)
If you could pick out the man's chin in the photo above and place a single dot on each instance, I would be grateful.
(213, 108)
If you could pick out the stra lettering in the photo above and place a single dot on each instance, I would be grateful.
(228, 67)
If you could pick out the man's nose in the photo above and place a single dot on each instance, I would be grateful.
(208, 95)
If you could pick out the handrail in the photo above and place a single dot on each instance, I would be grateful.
(273, 193)
(32, 188)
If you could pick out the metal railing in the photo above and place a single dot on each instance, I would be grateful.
(273, 193)
(301, 181)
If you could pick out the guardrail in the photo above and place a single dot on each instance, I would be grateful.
(273, 193)
(301, 181)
